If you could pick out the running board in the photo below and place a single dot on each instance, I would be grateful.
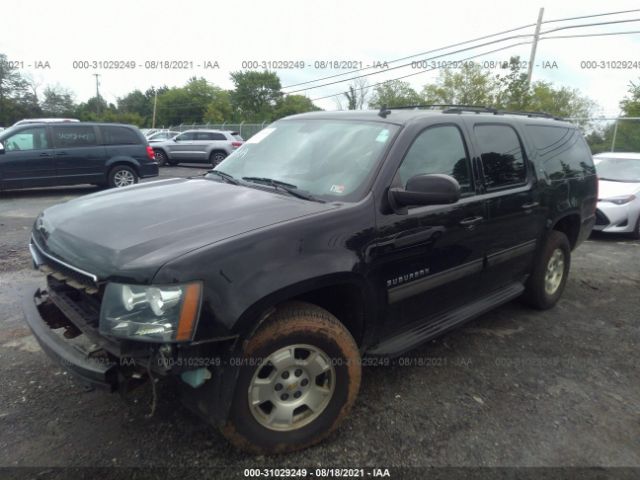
(430, 327)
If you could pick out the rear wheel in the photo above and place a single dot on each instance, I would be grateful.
(546, 284)
(300, 377)
(216, 157)
(122, 176)
(161, 158)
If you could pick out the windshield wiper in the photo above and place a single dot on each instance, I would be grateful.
(287, 187)
(225, 176)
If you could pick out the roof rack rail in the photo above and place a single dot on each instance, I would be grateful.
(455, 108)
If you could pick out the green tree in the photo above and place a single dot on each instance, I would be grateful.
(292, 104)
(512, 89)
(255, 95)
(469, 85)
(220, 108)
(395, 93)
(16, 101)
(57, 102)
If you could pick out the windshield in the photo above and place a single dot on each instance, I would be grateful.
(330, 159)
(619, 169)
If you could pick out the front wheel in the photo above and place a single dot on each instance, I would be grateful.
(300, 377)
(122, 176)
(546, 284)
(161, 158)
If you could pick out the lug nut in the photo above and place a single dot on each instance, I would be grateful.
(285, 375)
(278, 387)
(304, 382)
(298, 372)
(284, 396)
(297, 394)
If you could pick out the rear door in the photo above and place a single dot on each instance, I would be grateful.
(78, 156)
(27, 160)
(515, 214)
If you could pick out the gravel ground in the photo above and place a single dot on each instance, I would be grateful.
(515, 387)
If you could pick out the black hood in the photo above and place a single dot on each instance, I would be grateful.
(130, 233)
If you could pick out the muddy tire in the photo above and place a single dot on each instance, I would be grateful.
(550, 273)
(305, 382)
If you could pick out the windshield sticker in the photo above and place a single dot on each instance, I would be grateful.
(261, 135)
(337, 189)
(383, 136)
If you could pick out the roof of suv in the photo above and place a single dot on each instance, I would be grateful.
(404, 116)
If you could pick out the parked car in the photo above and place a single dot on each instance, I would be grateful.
(46, 154)
(619, 193)
(27, 121)
(327, 237)
(162, 136)
(197, 146)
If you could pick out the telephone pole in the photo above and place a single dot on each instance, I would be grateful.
(97, 75)
(155, 105)
(534, 45)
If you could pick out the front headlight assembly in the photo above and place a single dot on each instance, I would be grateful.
(151, 313)
(620, 199)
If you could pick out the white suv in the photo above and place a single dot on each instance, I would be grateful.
(197, 146)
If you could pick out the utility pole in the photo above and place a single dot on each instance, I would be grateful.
(155, 105)
(97, 75)
(534, 45)
(615, 134)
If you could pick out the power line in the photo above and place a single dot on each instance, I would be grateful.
(426, 70)
(590, 35)
(475, 56)
(458, 51)
(463, 43)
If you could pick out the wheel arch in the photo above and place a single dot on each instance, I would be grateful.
(344, 295)
(570, 225)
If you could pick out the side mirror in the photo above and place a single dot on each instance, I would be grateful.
(433, 189)
(1, 148)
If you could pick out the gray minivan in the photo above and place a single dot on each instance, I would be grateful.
(47, 154)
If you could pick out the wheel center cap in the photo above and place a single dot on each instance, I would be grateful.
(292, 386)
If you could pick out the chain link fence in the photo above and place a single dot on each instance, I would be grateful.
(246, 130)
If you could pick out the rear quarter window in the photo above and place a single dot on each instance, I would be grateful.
(562, 151)
(115, 135)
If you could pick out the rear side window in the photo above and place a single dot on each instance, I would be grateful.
(502, 158)
(74, 136)
(438, 149)
(210, 136)
(562, 151)
(114, 135)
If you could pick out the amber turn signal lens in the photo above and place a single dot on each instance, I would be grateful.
(189, 312)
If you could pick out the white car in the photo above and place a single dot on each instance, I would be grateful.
(618, 193)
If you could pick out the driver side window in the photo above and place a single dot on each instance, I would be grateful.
(439, 149)
(29, 139)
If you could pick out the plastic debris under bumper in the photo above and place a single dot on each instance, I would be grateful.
(99, 371)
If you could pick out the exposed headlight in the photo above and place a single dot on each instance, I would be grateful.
(619, 200)
(150, 313)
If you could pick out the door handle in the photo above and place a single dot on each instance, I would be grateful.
(61, 154)
(527, 206)
(44, 154)
(471, 222)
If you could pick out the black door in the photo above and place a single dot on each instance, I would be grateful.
(78, 157)
(429, 259)
(515, 214)
(27, 160)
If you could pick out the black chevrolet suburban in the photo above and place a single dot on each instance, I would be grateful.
(67, 153)
(326, 238)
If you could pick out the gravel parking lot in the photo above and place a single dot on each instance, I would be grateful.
(515, 387)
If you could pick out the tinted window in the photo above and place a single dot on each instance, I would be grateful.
(438, 150)
(501, 153)
(29, 139)
(186, 136)
(210, 136)
(563, 152)
(76, 136)
(113, 135)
